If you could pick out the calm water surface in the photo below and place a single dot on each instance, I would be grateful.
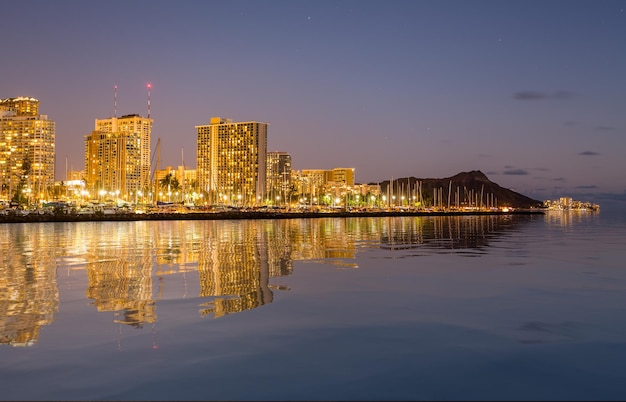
(511, 307)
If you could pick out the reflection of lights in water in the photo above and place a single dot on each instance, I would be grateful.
(567, 218)
(235, 261)
(154, 337)
(29, 295)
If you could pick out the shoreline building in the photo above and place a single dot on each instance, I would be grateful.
(117, 157)
(27, 157)
(314, 184)
(231, 161)
(278, 177)
(176, 184)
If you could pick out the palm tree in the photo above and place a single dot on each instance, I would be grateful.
(170, 183)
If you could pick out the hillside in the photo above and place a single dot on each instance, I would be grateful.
(463, 189)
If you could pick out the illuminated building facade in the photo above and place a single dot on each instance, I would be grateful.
(343, 176)
(232, 161)
(176, 184)
(26, 150)
(310, 183)
(117, 156)
(278, 176)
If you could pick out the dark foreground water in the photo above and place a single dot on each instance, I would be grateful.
(491, 307)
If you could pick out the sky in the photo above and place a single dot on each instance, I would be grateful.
(531, 93)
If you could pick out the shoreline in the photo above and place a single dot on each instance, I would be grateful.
(239, 215)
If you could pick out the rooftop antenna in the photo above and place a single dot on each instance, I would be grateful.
(115, 101)
(149, 86)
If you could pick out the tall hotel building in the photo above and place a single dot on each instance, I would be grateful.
(117, 156)
(26, 149)
(232, 161)
(278, 176)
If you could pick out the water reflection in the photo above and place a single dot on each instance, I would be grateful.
(443, 232)
(566, 218)
(234, 263)
(128, 265)
(29, 295)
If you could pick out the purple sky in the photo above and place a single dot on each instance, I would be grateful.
(533, 93)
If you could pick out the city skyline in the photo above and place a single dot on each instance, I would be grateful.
(530, 93)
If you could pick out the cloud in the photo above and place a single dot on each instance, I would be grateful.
(559, 179)
(516, 172)
(529, 95)
(537, 95)
(591, 187)
(563, 95)
(588, 153)
(605, 128)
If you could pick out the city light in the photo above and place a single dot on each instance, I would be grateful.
(231, 180)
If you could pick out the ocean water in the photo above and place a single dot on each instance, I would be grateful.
(519, 307)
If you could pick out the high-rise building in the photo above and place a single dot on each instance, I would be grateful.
(232, 161)
(117, 156)
(26, 150)
(278, 176)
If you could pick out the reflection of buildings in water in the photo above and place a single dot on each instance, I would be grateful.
(119, 273)
(123, 285)
(236, 259)
(323, 238)
(28, 287)
(446, 232)
(233, 268)
(177, 243)
(276, 239)
(555, 217)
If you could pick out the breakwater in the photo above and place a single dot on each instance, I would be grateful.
(73, 217)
